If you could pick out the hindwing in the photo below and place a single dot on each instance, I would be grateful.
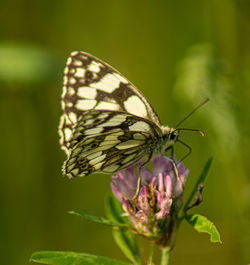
(107, 141)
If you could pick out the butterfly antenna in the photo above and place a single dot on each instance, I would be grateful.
(194, 110)
(194, 130)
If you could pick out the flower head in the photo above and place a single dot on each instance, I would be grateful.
(154, 208)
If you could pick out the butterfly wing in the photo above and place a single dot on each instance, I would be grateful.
(90, 84)
(108, 141)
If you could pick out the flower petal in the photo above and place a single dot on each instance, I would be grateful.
(161, 165)
(142, 200)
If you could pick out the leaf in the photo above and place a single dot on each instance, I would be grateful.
(199, 182)
(203, 225)
(125, 239)
(99, 220)
(72, 258)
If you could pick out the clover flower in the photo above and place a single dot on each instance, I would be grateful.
(153, 209)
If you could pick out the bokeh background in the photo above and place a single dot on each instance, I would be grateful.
(177, 53)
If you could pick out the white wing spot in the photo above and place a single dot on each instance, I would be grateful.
(72, 161)
(138, 136)
(76, 151)
(135, 106)
(88, 141)
(69, 104)
(111, 138)
(63, 104)
(69, 61)
(83, 56)
(65, 80)
(86, 92)
(103, 115)
(97, 160)
(85, 104)
(67, 121)
(80, 72)
(67, 133)
(77, 63)
(93, 131)
(111, 168)
(74, 53)
(98, 166)
(64, 91)
(107, 84)
(129, 152)
(72, 81)
(128, 144)
(94, 155)
(72, 117)
(121, 78)
(110, 144)
(69, 167)
(66, 70)
(114, 121)
(71, 91)
(75, 171)
(140, 126)
(94, 67)
(107, 106)
(88, 122)
(129, 158)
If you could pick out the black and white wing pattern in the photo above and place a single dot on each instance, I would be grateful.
(108, 141)
(107, 123)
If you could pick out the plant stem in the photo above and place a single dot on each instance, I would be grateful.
(165, 256)
(151, 255)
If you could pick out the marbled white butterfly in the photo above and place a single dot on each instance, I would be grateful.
(107, 123)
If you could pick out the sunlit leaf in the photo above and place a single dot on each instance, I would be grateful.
(203, 225)
(72, 258)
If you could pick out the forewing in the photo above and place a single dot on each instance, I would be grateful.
(91, 84)
(107, 141)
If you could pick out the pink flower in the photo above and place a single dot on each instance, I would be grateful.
(159, 199)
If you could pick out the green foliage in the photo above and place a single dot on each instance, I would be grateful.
(125, 239)
(199, 182)
(201, 74)
(24, 64)
(99, 220)
(72, 258)
(203, 225)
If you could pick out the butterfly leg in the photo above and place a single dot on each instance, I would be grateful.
(173, 163)
(139, 178)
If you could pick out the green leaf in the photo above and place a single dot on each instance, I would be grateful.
(72, 258)
(99, 220)
(203, 225)
(125, 239)
(199, 182)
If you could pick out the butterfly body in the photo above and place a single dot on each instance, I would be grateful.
(107, 124)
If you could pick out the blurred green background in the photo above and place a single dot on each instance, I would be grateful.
(177, 53)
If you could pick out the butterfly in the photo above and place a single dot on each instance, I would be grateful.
(107, 124)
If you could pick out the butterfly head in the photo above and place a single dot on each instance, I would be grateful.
(171, 135)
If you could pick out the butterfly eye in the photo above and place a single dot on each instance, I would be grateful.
(172, 136)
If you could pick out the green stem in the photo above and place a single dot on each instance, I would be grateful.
(165, 256)
(151, 258)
